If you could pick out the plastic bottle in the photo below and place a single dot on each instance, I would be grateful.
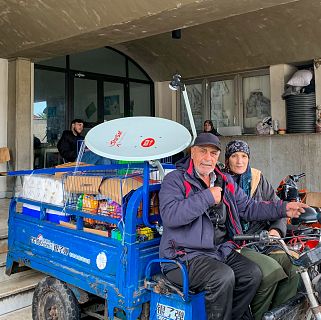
(80, 202)
(276, 125)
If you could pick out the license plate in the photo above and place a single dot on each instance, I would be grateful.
(165, 312)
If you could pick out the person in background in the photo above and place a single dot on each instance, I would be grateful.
(36, 152)
(201, 209)
(68, 143)
(279, 277)
(209, 127)
(36, 142)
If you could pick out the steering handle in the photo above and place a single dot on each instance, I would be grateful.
(263, 236)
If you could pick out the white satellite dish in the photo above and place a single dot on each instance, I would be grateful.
(138, 138)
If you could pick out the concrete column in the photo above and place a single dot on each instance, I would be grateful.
(20, 112)
(3, 118)
(317, 78)
(165, 101)
(279, 75)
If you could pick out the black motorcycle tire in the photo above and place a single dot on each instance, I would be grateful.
(53, 300)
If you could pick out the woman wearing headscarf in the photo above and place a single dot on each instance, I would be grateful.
(209, 127)
(280, 280)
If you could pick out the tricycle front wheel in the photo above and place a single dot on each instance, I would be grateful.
(53, 300)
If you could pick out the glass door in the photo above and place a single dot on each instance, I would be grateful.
(114, 106)
(85, 101)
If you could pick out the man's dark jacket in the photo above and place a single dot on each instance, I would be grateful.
(67, 145)
(188, 230)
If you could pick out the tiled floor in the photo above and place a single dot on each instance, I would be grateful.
(24, 314)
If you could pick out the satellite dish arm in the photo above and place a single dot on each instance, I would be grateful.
(189, 112)
(158, 165)
(176, 84)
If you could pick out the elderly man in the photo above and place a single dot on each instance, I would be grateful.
(201, 210)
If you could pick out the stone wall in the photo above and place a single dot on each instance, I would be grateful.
(280, 155)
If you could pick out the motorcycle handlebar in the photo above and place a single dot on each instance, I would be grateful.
(263, 236)
(297, 177)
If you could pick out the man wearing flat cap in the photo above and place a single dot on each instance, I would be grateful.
(201, 209)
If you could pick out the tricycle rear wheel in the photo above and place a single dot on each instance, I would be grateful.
(53, 300)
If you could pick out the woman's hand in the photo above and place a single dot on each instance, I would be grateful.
(294, 209)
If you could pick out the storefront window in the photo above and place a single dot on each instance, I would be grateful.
(135, 73)
(140, 101)
(48, 112)
(103, 61)
(85, 100)
(113, 100)
(195, 97)
(59, 62)
(97, 85)
(256, 100)
(223, 111)
(235, 103)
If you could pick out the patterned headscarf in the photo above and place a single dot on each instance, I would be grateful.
(236, 146)
(245, 178)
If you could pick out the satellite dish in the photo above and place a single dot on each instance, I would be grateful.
(138, 138)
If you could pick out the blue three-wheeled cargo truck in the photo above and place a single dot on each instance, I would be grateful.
(95, 232)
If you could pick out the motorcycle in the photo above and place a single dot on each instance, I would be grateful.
(307, 304)
(288, 191)
(288, 188)
(303, 246)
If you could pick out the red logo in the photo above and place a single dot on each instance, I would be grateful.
(116, 138)
(148, 142)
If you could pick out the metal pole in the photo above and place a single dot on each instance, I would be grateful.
(189, 112)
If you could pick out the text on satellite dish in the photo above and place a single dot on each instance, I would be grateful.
(148, 142)
(116, 138)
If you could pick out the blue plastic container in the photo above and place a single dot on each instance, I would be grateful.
(31, 210)
(52, 215)
(56, 216)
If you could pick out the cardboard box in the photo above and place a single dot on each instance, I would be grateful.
(68, 165)
(115, 188)
(313, 199)
(83, 184)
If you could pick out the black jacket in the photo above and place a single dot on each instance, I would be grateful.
(214, 131)
(184, 204)
(67, 145)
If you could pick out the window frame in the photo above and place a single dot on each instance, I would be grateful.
(241, 76)
(237, 77)
(232, 77)
(180, 100)
(70, 73)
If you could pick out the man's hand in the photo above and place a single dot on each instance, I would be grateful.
(294, 209)
(217, 194)
(274, 233)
